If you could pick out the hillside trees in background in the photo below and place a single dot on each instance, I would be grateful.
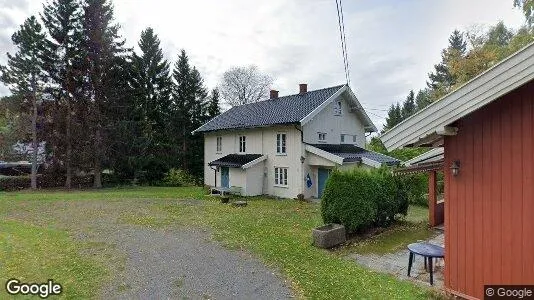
(25, 77)
(242, 85)
(528, 9)
(467, 55)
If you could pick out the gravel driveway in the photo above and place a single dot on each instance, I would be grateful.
(183, 263)
(157, 263)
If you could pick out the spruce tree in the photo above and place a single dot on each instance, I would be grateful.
(213, 105)
(25, 77)
(104, 50)
(63, 59)
(422, 99)
(189, 112)
(408, 107)
(152, 85)
(441, 80)
(394, 116)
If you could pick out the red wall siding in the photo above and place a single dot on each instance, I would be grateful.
(489, 211)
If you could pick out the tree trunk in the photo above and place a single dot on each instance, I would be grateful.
(68, 180)
(35, 145)
(97, 183)
(184, 151)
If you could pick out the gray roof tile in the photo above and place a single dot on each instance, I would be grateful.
(282, 110)
(351, 153)
(234, 160)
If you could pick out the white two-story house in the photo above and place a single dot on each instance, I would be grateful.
(285, 146)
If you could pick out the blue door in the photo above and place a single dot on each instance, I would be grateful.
(321, 182)
(225, 177)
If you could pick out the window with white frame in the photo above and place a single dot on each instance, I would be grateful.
(342, 138)
(337, 108)
(281, 143)
(242, 144)
(280, 176)
(219, 144)
(354, 138)
(321, 137)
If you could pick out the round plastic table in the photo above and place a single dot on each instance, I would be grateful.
(428, 251)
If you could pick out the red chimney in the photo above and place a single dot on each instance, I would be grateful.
(303, 87)
(273, 94)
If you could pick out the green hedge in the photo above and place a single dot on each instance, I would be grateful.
(15, 183)
(360, 199)
(178, 177)
(417, 188)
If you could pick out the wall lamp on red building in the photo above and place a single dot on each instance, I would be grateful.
(455, 168)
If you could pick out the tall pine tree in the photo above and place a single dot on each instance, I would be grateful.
(105, 50)
(152, 85)
(441, 80)
(63, 60)
(25, 77)
(408, 107)
(189, 112)
(394, 116)
(213, 106)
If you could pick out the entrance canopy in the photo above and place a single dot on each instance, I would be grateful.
(243, 161)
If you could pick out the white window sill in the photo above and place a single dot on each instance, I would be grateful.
(218, 152)
(321, 141)
(281, 154)
(281, 186)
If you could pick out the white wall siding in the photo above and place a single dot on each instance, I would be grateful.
(325, 121)
(254, 177)
(259, 141)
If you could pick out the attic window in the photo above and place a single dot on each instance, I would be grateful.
(242, 144)
(337, 108)
(321, 137)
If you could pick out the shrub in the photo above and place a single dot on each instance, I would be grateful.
(416, 186)
(363, 198)
(14, 183)
(178, 177)
(386, 200)
(348, 200)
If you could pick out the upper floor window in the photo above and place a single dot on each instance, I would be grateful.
(242, 144)
(219, 144)
(337, 108)
(321, 136)
(281, 143)
(354, 138)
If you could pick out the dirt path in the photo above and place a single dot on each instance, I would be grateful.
(158, 263)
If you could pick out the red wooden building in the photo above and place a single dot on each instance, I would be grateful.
(487, 130)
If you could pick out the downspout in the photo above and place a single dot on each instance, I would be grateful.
(215, 176)
(301, 188)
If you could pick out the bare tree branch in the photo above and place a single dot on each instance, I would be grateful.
(242, 85)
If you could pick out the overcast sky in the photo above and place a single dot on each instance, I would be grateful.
(392, 44)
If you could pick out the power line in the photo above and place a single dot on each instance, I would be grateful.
(345, 41)
(341, 25)
(372, 113)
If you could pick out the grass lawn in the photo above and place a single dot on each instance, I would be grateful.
(278, 232)
(414, 227)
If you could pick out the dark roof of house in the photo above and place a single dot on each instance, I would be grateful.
(351, 153)
(234, 160)
(282, 110)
